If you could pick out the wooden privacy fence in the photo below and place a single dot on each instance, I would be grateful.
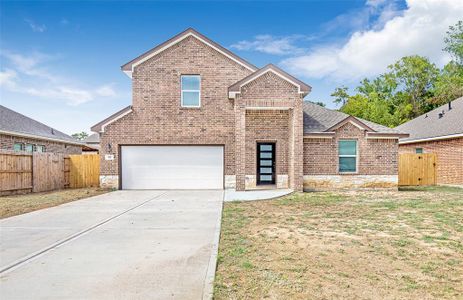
(22, 172)
(84, 170)
(417, 169)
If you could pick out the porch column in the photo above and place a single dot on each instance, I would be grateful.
(240, 144)
(296, 148)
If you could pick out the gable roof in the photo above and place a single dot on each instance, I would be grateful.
(14, 123)
(99, 127)
(430, 126)
(128, 67)
(92, 139)
(236, 87)
(318, 119)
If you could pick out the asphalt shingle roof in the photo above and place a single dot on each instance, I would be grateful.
(92, 139)
(430, 125)
(319, 119)
(12, 121)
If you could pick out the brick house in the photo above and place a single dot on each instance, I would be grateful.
(21, 133)
(439, 131)
(202, 117)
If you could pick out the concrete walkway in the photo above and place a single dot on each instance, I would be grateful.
(120, 245)
(232, 195)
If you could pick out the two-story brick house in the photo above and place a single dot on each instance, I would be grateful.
(202, 117)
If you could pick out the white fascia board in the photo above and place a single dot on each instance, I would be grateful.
(128, 73)
(267, 108)
(181, 39)
(38, 137)
(232, 95)
(392, 137)
(320, 135)
(442, 137)
(115, 119)
(353, 123)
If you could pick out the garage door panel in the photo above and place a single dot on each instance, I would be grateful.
(172, 167)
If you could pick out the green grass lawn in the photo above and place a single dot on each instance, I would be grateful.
(20, 204)
(404, 244)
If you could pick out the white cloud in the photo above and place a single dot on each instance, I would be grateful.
(106, 91)
(8, 78)
(269, 44)
(72, 96)
(29, 64)
(420, 29)
(35, 27)
(26, 75)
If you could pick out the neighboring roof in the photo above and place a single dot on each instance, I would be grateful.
(92, 139)
(128, 67)
(99, 127)
(319, 119)
(430, 126)
(236, 87)
(14, 123)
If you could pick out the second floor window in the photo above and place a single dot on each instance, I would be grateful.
(191, 90)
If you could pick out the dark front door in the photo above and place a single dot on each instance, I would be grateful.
(265, 163)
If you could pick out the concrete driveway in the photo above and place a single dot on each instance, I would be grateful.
(120, 245)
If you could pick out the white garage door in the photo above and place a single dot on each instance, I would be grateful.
(172, 167)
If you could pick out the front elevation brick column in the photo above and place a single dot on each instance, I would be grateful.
(240, 144)
(296, 148)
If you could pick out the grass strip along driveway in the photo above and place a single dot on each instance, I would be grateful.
(351, 245)
(21, 204)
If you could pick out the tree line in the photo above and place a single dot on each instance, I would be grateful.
(409, 88)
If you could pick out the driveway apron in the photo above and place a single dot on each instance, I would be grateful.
(121, 245)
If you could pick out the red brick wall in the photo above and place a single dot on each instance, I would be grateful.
(270, 90)
(7, 142)
(158, 117)
(449, 158)
(375, 156)
(267, 126)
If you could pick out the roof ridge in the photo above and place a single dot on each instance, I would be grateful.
(127, 67)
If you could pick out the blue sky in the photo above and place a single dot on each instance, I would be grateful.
(60, 60)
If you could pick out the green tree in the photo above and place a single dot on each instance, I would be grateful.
(340, 95)
(415, 77)
(449, 84)
(371, 108)
(80, 135)
(410, 87)
(318, 103)
(454, 42)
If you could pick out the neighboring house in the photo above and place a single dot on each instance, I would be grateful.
(92, 144)
(21, 133)
(439, 131)
(202, 117)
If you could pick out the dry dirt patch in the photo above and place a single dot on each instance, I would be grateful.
(20, 204)
(349, 245)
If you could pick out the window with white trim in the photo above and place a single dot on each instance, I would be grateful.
(191, 90)
(347, 150)
(418, 150)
